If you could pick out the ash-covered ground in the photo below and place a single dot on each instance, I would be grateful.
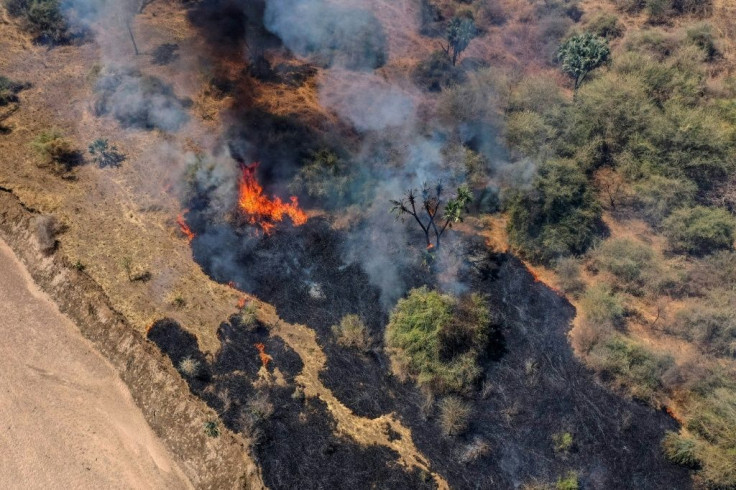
(533, 386)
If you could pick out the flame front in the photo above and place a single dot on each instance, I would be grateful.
(184, 227)
(260, 209)
(265, 358)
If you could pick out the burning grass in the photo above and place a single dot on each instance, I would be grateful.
(262, 211)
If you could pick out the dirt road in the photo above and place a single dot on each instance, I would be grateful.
(66, 419)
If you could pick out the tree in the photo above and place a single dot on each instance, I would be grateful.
(459, 33)
(105, 155)
(582, 54)
(700, 230)
(430, 206)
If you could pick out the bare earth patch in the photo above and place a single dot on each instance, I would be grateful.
(69, 421)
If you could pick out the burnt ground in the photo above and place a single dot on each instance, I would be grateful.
(296, 445)
(534, 386)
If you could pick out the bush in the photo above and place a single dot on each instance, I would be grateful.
(557, 217)
(323, 176)
(351, 332)
(702, 36)
(633, 366)
(212, 428)
(699, 230)
(105, 155)
(528, 133)
(568, 272)
(454, 416)
(438, 339)
(601, 307)
(568, 482)
(56, 151)
(709, 322)
(563, 442)
(637, 268)
(680, 450)
(606, 26)
(656, 196)
(9, 90)
(44, 19)
(437, 73)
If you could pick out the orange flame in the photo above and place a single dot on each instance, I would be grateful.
(184, 227)
(260, 209)
(241, 302)
(265, 358)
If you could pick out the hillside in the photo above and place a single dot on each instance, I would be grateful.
(552, 307)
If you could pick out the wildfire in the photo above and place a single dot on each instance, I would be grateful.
(265, 358)
(241, 302)
(184, 227)
(260, 209)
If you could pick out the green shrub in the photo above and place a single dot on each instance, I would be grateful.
(438, 339)
(351, 332)
(702, 36)
(568, 272)
(105, 155)
(633, 366)
(656, 196)
(557, 217)
(712, 422)
(568, 482)
(56, 151)
(709, 322)
(454, 416)
(606, 25)
(601, 307)
(212, 428)
(680, 449)
(528, 133)
(563, 442)
(637, 268)
(42, 18)
(699, 230)
(323, 176)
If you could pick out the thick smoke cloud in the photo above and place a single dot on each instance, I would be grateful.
(336, 35)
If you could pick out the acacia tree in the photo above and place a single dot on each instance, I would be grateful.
(582, 54)
(425, 211)
(459, 33)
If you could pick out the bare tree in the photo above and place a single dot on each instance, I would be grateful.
(425, 211)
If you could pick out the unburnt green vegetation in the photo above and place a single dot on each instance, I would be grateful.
(438, 339)
(649, 137)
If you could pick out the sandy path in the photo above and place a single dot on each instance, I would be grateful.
(66, 419)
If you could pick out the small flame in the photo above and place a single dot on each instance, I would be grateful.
(265, 358)
(231, 284)
(184, 227)
(241, 302)
(260, 209)
(430, 246)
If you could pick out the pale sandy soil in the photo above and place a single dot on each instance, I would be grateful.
(66, 418)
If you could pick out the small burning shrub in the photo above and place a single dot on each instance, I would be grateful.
(351, 332)
(454, 416)
(438, 339)
(104, 154)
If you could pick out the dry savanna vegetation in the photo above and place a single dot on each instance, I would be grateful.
(553, 305)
